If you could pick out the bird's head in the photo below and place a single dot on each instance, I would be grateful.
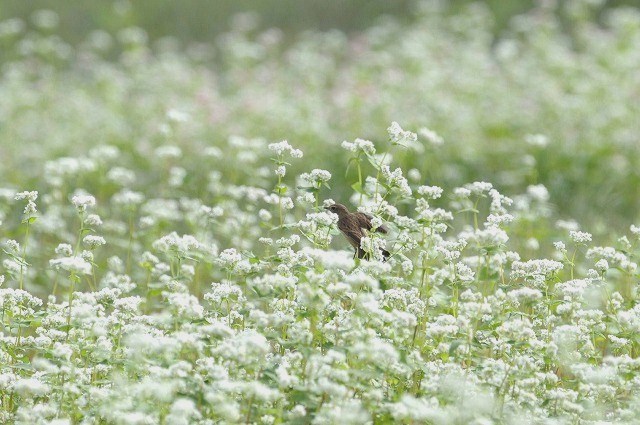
(339, 209)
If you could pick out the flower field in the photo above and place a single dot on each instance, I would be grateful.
(167, 257)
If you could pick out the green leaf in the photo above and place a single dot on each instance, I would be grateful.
(357, 187)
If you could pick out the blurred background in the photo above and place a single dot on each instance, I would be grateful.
(202, 21)
(523, 92)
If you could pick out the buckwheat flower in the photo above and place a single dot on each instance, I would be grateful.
(560, 246)
(81, 202)
(479, 188)
(395, 179)
(104, 153)
(532, 244)
(186, 305)
(414, 175)
(635, 230)
(342, 410)
(323, 218)
(287, 203)
(430, 136)
(535, 268)
(567, 225)
(87, 256)
(71, 264)
(176, 176)
(93, 241)
(410, 409)
(538, 193)
(12, 246)
(537, 140)
(320, 175)
(230, 256)
(246, 347)
(178, 116)
(602, 265)
(430, 192)
(464, 272)
(525, 294)
(281, 171)
(462, 192)
(12, 266)
(30, 210)
(168, 151)
(497, 220)
(580, 237)
(284, 147)
(11, 27)
(62, 351)
(29, 196)
(306, 198)
(373, 245)
(618, 343)
(398, 136)
(592, 274)
(121, 176)
(360, 145)
(491, 236)
(31, 387)
(93, 220)
(444, 324)
(264, 215)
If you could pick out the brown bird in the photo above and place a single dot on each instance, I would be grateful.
(353, 225)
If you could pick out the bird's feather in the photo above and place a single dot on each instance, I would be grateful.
(364, 221)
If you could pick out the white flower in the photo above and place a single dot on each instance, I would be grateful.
(264, 215)
(31, 387)
(93, 241)
(128, 198)
(64, 249)
(431, 192)
(539, 140)
(580, 237)
(399, 136)
(431, 136)
(168, 152)
(81, 202)
(71, 264)
(538, 193)
(177, 116)
(93, 220)
(560, 246)
(29, 196)
(360, 145)
(284, 147)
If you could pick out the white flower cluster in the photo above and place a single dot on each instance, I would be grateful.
(398, 136)
(360, 145)
(283, 147)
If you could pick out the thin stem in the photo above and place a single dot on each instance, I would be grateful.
(23, 263)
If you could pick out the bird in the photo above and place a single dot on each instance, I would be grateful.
(353, 226)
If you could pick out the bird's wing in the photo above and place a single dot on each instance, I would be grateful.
(364, 221)
(353, 236)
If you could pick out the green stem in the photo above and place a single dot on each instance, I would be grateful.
(24, 254)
